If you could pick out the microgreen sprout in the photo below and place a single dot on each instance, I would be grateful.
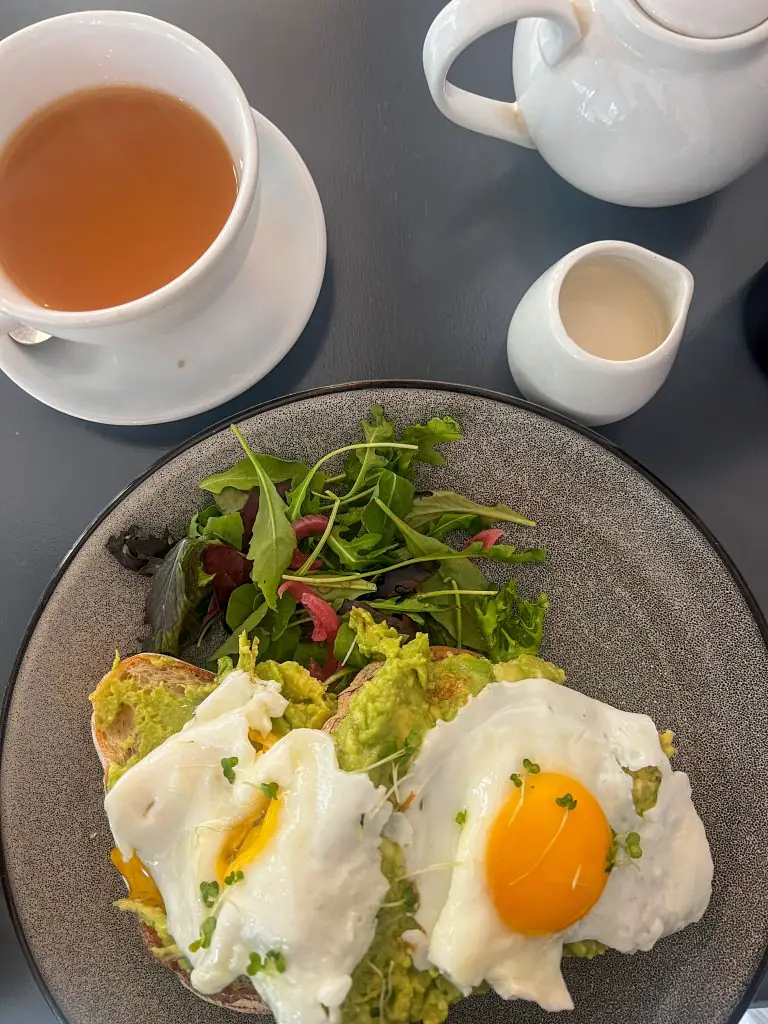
(274, 960)
(627, 843)
(567, 802)
(209, 892)
(207, 929)
(228, 768)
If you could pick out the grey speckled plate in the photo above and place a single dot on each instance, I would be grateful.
(646, 614)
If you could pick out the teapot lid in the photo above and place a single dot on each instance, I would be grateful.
(707, 19)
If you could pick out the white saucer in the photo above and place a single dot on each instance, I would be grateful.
(236, 342)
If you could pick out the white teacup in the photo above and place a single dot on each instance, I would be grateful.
(96, 48)
(550, 368)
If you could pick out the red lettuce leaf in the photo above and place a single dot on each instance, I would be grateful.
(405, 580)
(310, 526)
(248, 514)
(229, 569)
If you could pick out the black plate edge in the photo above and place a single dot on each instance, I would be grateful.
(276, 403)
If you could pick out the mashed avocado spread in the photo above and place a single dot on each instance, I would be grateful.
(389, 716)
(386, 987)
(309, 706)
(142, 715)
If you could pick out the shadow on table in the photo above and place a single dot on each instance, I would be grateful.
(538, 218)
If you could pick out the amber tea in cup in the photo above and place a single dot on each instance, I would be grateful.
(109, 193)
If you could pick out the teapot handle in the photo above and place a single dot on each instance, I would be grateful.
(463, 22)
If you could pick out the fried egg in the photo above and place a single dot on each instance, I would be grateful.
(265, 853)
(524, 827)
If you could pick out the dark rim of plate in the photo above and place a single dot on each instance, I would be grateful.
(299, 396)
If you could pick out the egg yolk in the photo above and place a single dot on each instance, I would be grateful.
(246, 841)
(545, 861)
(141, 885)
(262, 743)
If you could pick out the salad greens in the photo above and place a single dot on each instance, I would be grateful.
(284, 551)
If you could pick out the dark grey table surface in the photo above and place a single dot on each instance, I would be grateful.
(434, 234)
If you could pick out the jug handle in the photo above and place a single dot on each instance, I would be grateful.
(463, 22)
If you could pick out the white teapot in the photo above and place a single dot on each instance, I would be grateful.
(639, 102)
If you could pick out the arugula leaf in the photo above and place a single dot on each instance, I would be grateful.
(425, 437)
(379, 428)
(437, 503)
(397, 494)
(368, 544)
(506, 553)
(242, 601)
(273, 541)
(177, 589)
(457, 619)
(298, 496)
(361, 462)
(234, 877)
(453, 521)
(510, 625)
(466, 576)
(404, 606)
(243, 476)
(346, 551)
(356, 553)
(269, 789)
(419, 544)
(232, 644)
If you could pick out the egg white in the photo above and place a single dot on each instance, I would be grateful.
(312, 894)
(464, 765)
